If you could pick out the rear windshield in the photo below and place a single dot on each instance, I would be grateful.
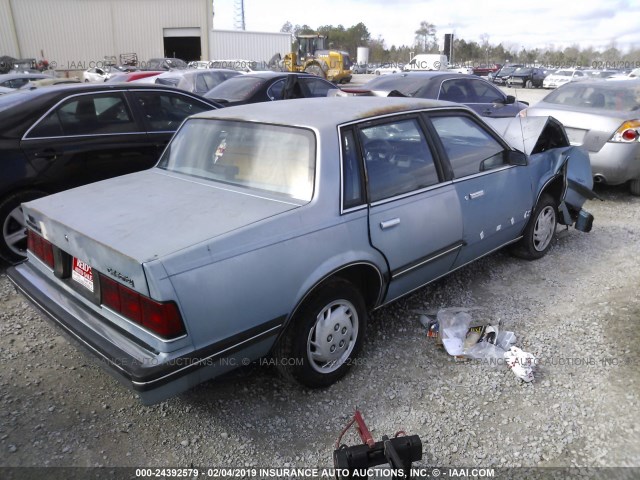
(271, 158)
(235, 89)
(406, 84)
(605, 95)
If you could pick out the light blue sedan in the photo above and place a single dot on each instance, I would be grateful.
(273, 229)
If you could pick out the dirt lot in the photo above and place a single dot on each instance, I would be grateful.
(577, 310)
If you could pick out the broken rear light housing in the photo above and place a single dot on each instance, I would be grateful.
(161, 318)
(41, 248)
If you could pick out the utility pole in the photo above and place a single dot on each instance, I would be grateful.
(239, 15)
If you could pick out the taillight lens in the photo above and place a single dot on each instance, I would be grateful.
(628, 132)
(162, 318)
(40, 247)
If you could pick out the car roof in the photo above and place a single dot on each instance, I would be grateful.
(12, 76)
(270, 74)
(325, 112)
(73, 88)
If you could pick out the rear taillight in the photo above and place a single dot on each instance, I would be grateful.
(162, 318)
(40, 247)
(628, 132)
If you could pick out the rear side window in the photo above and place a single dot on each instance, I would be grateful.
(317, 87)
(469, 147)
(100, 114)
(352, 188)
(397, 159)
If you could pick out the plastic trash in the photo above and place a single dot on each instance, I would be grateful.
(505, 340)
(453, 325)
(521, 363)
(488, 353)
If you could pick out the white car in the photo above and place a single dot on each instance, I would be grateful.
(465, 70)
(388, 68)
(95, 75)
(562, 76)
(199, 65)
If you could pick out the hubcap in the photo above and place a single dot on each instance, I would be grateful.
(544, 229)
(14, 232)
(332, 338)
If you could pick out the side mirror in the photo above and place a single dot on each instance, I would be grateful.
(515, 157)
(510, 100)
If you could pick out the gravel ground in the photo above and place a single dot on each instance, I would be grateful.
(576, 310)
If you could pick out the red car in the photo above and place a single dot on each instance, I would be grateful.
(484, 70)
(130, 77)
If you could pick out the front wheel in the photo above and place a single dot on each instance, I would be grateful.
(539, 232)
(528, 84)
(323, 338)
(634, 186)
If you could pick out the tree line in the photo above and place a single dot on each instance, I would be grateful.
(464, 52)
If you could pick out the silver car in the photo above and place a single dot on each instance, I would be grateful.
(604, 118)
(273, 229)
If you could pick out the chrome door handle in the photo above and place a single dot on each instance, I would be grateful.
(477, 194)
(389, 223)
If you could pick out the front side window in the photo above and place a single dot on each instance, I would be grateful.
(469, 147)
(398, 159)
(271, 158)
(87, 115)
(484, 92)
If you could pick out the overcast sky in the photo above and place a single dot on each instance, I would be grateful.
(536, 23)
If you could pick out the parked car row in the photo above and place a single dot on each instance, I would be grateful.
(58, 138)
(475, 92)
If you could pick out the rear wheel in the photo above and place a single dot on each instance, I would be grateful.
(13, 242)
(539, 232)
(634, 186)
(528, 84)
(319, 345)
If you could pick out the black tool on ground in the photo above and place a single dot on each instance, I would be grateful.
(398, 452)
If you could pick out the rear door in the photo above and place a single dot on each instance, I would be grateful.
(88, 137)
(415, 217)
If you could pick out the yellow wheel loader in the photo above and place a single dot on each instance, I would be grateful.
(313, 57)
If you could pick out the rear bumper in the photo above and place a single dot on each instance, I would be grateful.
(616, 163)
(154, 376)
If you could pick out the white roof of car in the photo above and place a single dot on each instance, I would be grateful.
(323, 112)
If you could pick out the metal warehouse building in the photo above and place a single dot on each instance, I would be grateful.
(78, 34)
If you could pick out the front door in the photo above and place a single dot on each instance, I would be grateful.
(496, 197)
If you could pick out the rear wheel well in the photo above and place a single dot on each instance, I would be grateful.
(366, 278)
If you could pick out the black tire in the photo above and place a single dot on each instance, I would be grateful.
(528, 84)
(297, 354)
(13, 239)
(539, 233)
(634, 187)
(315, 70)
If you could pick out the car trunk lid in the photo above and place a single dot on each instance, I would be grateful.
(588, 129)
(117, 225)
